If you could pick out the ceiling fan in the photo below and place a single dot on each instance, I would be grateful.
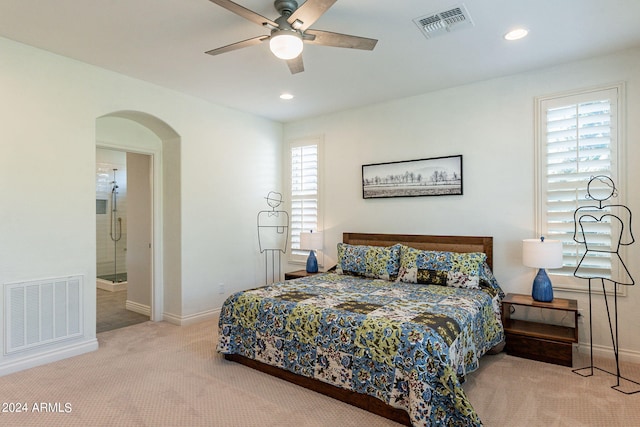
(291, 29)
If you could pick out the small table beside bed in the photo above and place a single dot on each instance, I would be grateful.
(393, 330)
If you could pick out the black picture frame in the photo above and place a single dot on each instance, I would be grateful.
(435, 176)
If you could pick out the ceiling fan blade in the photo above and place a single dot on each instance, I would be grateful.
(238, 45)
(244, 12)
(308, 13)
(327, 38)
(296, 65)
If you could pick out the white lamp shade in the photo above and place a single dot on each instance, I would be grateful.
(286, 44)
(542, 254)
(311, 241)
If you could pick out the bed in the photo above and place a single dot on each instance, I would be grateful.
(393, 330)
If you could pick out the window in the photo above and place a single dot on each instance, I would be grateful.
(577, 138)
(304, 192)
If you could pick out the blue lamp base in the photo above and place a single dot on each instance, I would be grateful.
(542, 290)
(312, 263)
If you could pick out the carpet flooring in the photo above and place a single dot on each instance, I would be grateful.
(162, 375)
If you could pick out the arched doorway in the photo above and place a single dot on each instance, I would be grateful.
(141, 133)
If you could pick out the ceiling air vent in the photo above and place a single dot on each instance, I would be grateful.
(440, 23)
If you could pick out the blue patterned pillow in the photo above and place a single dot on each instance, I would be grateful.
(489, 283)
(459, 270)
(378, 262)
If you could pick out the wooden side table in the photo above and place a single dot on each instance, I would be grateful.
(538, 340)
(297, 274)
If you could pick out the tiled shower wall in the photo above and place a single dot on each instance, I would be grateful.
(111, 257)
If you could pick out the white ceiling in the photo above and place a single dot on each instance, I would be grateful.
(163, 42)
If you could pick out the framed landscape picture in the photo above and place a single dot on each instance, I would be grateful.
(437, 176)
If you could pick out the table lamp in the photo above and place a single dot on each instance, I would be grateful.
(541, 254)
(311, 241)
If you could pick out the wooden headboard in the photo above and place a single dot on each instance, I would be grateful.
(426, 242)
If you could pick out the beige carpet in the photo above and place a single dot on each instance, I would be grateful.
(510, 391)
(157, 374)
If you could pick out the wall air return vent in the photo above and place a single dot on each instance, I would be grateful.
(42, 312)
(440, 23)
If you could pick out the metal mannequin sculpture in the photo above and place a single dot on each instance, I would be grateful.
(588, 219)
(273, 234)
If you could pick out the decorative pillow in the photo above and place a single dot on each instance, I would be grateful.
(489, 283)
(378, 262)
(459, 270)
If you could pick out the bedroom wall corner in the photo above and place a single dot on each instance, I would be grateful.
(491, 123)
(228, 162)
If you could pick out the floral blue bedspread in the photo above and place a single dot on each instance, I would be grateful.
(409, 345)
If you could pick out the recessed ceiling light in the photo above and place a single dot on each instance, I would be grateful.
(516, 34)
(286, 96)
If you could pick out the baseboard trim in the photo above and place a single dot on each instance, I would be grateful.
(31, 361)
(607, 352)
(191, 318)
(138, 308)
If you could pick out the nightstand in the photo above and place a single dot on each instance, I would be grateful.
(297, 274)
(538, 340)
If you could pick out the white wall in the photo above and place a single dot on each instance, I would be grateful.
(49, 106)
(491, 124)
(140, 242)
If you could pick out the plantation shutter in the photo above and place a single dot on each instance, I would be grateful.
(304, 194)
(578, 140)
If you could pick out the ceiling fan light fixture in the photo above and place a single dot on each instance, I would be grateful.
(286, 44)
